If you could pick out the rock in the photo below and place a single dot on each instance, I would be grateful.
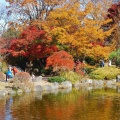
(118, 78)
(88, 81)
(66, 90)
(95, 82)
(47, 87)
(27, 90)
(37, 79)
(66, 84)
(38, 88)
(101, 82)
(55, 85)
(77, 84)
(114, 80)
(110, 84)
(3, 93)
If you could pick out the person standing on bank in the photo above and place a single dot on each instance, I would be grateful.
(102, 64)
(8, 74)
(109, 62)
(14, 69)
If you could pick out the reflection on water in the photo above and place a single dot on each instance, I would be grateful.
(85, 103)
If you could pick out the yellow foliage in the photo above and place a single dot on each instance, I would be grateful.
(77, 29)
(100, 52)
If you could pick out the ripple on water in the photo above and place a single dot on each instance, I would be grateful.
(74, 105)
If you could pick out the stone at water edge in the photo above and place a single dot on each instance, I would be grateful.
(66, 84)
(2, 93)
(118, 78)
(37, 79)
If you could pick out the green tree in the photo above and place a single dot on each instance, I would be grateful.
(115, 56)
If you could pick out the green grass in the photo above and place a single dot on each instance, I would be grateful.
(58, 79)
(71, 76)
(105, 73)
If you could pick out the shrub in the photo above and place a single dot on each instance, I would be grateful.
(71, 76)
(22, 81)
(60, 61)
(4, 67)
(2, 76)
(22, 76)
(58, 79)
(115, 56)
(105, 73)
(89, 69)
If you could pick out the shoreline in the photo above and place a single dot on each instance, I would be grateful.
(40, 84)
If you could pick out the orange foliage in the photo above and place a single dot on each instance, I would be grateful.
(60, 60)
(80, 67)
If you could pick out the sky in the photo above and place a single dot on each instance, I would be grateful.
(3, 2)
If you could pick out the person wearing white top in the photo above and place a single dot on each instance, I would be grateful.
(109, 62)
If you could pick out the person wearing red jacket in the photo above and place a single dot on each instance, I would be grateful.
(14, 69)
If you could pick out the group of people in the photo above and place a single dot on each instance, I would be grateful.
(10, 72)
(102, 63)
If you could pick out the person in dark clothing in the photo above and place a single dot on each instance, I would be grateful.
(102, 64)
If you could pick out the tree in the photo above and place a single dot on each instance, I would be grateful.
(114, 14)
(4, 19)
(10, 33)
(115, 57)
(31, 12)
(32, 44)
(3, 45)
(60, 61)
(77, 29)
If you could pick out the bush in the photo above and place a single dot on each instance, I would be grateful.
(4, 67)
(89, 69)
(115, 56)
(71, 76)
(2, 76)
(22, 76)
(22, 81)
(58, 79)
(105, 73)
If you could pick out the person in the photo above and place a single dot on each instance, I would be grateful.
(33, 77)
(14, 69)
(102, 64)
(10, 67)
(8, 74)
(109, 62)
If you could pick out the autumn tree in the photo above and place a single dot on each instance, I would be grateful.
(3, 51)
(60, 61)
(114, 14)
(76, 29)
(32, 43)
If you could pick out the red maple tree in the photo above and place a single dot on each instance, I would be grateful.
(60, 61)
(32, 43)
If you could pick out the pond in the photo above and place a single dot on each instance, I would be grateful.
(69, 104)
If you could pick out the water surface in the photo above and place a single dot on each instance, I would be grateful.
(75, 104)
